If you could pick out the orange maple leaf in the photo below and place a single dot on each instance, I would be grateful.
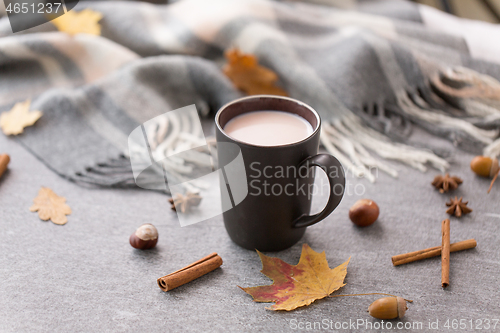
(247, 75)
(300, 285)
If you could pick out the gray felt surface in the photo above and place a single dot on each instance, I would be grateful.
(85, 277)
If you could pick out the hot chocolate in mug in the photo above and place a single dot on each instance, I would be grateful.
(278, 138)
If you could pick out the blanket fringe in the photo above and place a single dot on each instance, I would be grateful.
(349, 140)
(419, 110)
(177, 151)
(177, 142)
(478, 95)
(107, 174)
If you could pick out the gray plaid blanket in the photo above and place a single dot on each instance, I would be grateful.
(372, 69)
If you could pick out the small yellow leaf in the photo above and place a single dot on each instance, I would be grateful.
(300, 285)
(247, 75)
(51, 206)
(85, 21)
(14, 121)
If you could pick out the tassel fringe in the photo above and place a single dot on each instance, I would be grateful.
(418, 110)
(478, 95)
(349, 140)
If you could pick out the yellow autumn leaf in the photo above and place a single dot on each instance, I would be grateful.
(300, 285)
(85, 22)
(51, 206)
(14, 121)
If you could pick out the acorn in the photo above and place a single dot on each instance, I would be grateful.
(4, 161)
(145, 237)
(486, 167)
(388, 308)
(364, 212)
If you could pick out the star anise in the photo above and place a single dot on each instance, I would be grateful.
(446, 183)
(457, 207)
(184, 202)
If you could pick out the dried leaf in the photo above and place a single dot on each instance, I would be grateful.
(14, 121)
(247, 75)
(85, 21)
(299, 285)
(51, 206)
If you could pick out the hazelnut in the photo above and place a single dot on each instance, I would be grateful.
(145, 237)
(364, 212)
(388, 308)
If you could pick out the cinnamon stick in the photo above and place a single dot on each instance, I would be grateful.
(401, 259)
(445, 253)
(190, 272)
(4, 161)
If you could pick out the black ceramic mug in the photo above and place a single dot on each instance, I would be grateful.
(276, 219)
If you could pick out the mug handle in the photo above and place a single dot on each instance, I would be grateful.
(326, 162)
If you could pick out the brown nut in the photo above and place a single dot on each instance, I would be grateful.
(364, 212)
(388, 308)
(145, 237)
